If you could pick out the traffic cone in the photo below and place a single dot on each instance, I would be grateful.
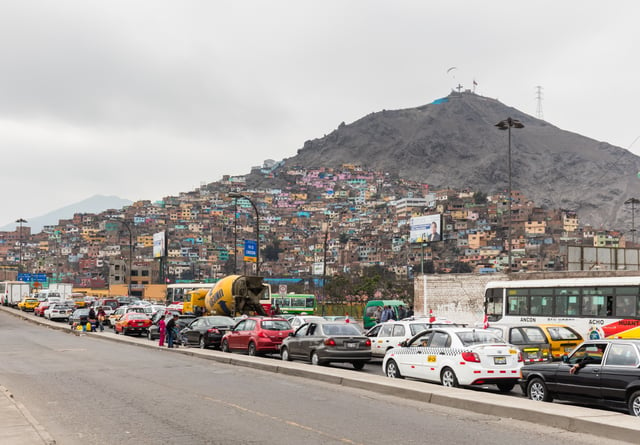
(346, 320)
(432, 319)
(485, 322)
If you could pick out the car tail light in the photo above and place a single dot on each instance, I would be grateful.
(330, 342)
(262, 335)
(368, 342)
(520, 360)
(213, 331)
(471, 357)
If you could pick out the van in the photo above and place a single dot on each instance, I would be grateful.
(369, 317)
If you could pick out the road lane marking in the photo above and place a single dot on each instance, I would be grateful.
(281, 420)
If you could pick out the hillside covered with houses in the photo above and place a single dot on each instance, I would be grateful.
(337, 222)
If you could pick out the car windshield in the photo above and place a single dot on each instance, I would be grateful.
(470, 338)
(276, 325)
(340, 329)
(562, 333)
(137, 316)
(219, 321)
(417, 327)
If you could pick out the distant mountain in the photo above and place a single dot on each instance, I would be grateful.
(453, 142)
(95, 204)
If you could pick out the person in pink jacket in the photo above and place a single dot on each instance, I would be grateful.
(162, 327)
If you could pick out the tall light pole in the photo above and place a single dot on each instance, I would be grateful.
(237, 195)
(235, 235)
(20, 221)
(507, 124)
(633, 202)
(325, 228)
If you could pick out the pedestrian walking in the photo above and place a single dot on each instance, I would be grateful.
(378, 314)
(172, 330)
(402, 312)
(93, 319)
(386, 314)
(162, 328)
(102, 316)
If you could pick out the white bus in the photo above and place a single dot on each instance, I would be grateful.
(177, 291)
(595, 307)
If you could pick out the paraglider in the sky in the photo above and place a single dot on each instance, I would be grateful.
(451, 69)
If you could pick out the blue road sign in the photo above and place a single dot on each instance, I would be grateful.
(250, 250)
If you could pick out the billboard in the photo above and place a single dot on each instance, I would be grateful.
(159, 244)
(425, 229)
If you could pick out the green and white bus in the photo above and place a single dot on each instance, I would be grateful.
(294, 303)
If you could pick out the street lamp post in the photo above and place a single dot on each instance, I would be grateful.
(237, 195)
(325, 227)
(20, 221)
(633, 202)
(506, 124)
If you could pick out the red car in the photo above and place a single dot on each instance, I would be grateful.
(256, 335)
(39, 310)
(133, 322)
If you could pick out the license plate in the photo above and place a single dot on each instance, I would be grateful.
(352, 345)
(532, 355)
(500, 360)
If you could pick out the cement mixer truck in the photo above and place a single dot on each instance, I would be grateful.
(233, 295)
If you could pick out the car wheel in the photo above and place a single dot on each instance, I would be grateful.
(634, 404)
(448, 378)
(505, 386)
(358, 365)
(537, 390)
(201, 342)
(392, 370)
(224, 347)
(315, 359)
(284, 355)
(252, 349)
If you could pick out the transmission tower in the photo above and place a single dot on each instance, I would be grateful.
(539, 114)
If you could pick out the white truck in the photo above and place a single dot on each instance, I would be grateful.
(64, 289)
(12, 292)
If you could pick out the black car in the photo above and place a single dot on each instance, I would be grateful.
(605, 372)
(79, 317)
(154, 332)
(207, 331)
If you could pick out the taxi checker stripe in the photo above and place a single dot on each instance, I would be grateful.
(429, 351)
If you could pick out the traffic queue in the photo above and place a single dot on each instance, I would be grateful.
(545, 364)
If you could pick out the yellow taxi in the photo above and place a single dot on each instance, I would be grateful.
(28, 304)
(562, 338)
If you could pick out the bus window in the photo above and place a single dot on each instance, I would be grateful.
(567, 302)
(627, 302)
(493, 304)
(541, 302)
(597, 302)
(517, 303)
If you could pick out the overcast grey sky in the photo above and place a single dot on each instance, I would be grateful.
(149, 98)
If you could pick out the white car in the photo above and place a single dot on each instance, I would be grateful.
(58, 311)
(389, 334)
(456, 357)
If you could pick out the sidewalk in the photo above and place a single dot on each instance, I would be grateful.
(17, 426)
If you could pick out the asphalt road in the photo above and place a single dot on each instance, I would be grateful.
(86, 390)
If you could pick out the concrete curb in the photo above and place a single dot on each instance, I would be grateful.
(601, 423)
(38, 429)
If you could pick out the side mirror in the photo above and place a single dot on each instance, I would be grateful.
(403, 344)
(292, 334)
(565, 358)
